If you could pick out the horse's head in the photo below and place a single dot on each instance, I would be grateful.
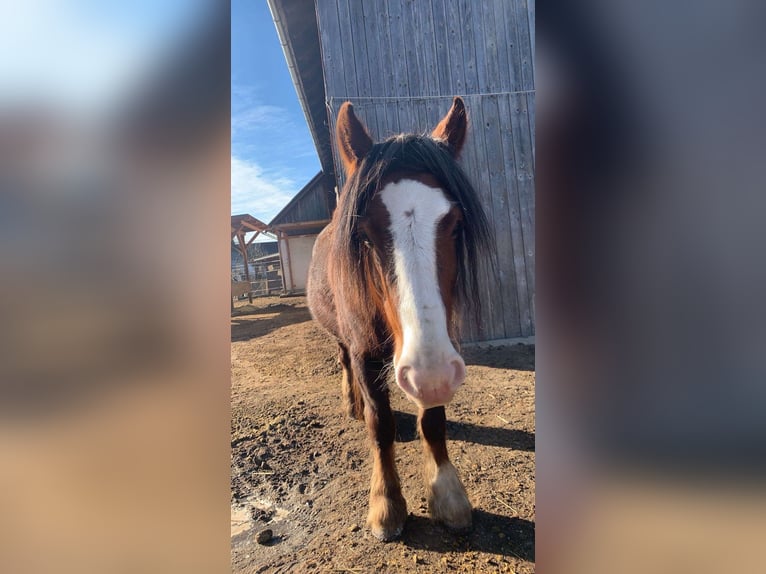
(413, 227)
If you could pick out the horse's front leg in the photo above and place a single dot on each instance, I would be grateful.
(352, 399)
(447, 500)
(388, 509)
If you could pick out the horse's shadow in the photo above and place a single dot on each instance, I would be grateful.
(250, 309)
(246, 323)
(491, 533)
(406, 431)
(519, 357)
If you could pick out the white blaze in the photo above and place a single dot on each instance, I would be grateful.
(415, 210)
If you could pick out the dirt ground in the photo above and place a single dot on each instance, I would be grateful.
(301, 469)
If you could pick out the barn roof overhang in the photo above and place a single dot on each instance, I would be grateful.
(287, 230)
(301, 225)
(296, 24)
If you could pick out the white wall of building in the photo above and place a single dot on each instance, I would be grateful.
(295, 252)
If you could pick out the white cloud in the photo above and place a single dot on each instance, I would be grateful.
(258, 192)
(260, 117)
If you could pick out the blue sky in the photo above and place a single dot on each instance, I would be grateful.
(272, 153)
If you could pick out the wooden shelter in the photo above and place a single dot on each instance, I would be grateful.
(241, 225)
(400, 63)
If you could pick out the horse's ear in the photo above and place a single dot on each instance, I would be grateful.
(353, 140)
(453, 127)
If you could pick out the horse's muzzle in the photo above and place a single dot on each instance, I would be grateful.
(432, 385)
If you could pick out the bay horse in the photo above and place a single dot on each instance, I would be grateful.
(389, 277)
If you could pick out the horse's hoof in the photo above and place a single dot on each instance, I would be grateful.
(454, 511)
(448, 502)
(459, 521)
(463, 527)
(387, 517)
(385, 535)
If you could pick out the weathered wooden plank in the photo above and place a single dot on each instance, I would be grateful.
(364, 47)
(348, 41)
(486, 47)
(397, 47)
(404, 111)
(389, 40)
(517, 255)
(333, 63)
(524, 172)
(365, 111)
(433, 107)
(509, 249)
(382, 81)
(512, 45)
(494, 287)
(454, 24)
(301, 210)
(531, 116)
(470, 55)
(380, 115)
(493, 326)
(440, 30)
(332, 50)
(429, 80)
(414, 116)
(520, 23)
(425, 125)
(430, 54)
(392, 118)
(504, 73)
(531, 24)
(308, 208)
(410, 47)
(412, 40)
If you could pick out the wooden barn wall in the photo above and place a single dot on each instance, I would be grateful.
(401, 61)
(317, 204)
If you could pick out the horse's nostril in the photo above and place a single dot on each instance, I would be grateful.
(459, 367)
(403, 380)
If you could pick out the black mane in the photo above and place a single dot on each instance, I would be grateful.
(416, 154)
